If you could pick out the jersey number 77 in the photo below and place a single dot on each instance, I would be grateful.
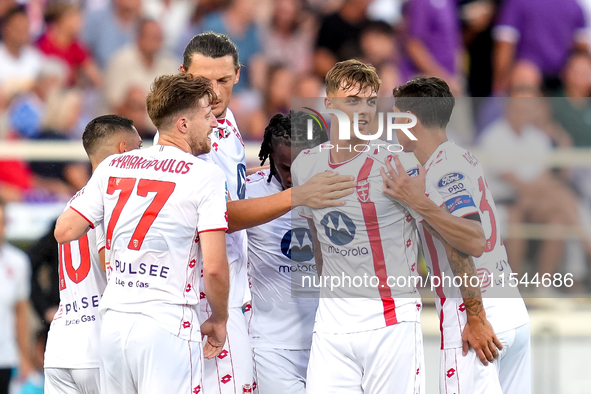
(163, 191)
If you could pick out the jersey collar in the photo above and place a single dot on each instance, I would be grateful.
(436, 155)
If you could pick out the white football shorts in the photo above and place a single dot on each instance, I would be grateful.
(280, 371)
(138, 356)
(388, 360)
(510, 373)
(72, 381)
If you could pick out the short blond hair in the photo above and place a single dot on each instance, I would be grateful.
(345, 75)
(172, 94)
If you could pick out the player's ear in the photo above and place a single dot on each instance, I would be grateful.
(237, 75)
(182, 69)
(182, 125)
(327, 102)
(122, 147)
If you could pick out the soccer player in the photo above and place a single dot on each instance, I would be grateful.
(458, 177)
(215, 57)
(72, 350)
(164, 209)
(280, 253)
(367, 336)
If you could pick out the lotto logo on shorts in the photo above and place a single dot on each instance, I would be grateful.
(197, 390)
(450, 372)
(408, 243)
(226, 379)
(186, 324)
(462, 307)
(223, 354)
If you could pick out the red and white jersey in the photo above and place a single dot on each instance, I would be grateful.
(227, 151)
(372, 235)
(280, 255)
(459, 179)
(153, 203)
(72, 341)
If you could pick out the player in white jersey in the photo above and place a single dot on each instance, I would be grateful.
(281, 318)
(72, 354)
(215, 56)
(163, 209)
(367, 336)
(458, 177)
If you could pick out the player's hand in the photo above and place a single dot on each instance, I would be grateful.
(216, 337)
(404, 188)
(323, 190)
(479, 334)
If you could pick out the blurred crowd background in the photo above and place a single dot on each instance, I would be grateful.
(521, 70)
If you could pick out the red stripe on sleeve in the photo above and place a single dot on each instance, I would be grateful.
(85, 218)
(214, 229)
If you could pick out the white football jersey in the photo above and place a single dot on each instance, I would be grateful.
(72, 341)
(459, 179)
(372, 236)
(280, 255)
(153, 203)
(227, 151)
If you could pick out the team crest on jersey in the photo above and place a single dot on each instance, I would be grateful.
(363, 190)
(135, 243)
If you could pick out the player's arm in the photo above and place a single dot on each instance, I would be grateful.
(102, 259)
(463, 234)
(321, 191)
(478, 332)
(22, 336)
(254, 170)
(70, 226)
(317, 250)
(216, 280)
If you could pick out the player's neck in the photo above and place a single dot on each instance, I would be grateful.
(176, 141)
(427, 143)
(344, 150)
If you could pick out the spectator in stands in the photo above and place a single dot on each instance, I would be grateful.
(14, 309)
(133, 106)
(61, 179)
(237, 22)
(309, 86)
(541, 31)
(378, 48)
(277, 99)
(110, 29)
(137, 64)
(339, 34)
(174, 17)
(19, 61)
(289, 36)
(433, 40)
(60, 40)
(204, 8)
(572, 109)
(28, 110)
(5, 7)
(524, 137)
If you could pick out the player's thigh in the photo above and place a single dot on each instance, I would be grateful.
(466, 374)
(115, 374)
(87, 380)
(233, 367)
(333, 368)
(59, 381)
(393, 360)
(162, 362)
(515, 362)
(280, 371)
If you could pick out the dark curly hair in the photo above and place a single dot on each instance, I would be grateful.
(290, 130)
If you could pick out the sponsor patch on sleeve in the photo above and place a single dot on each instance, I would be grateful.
(413, 171)
(459, 202)
(449, 179)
